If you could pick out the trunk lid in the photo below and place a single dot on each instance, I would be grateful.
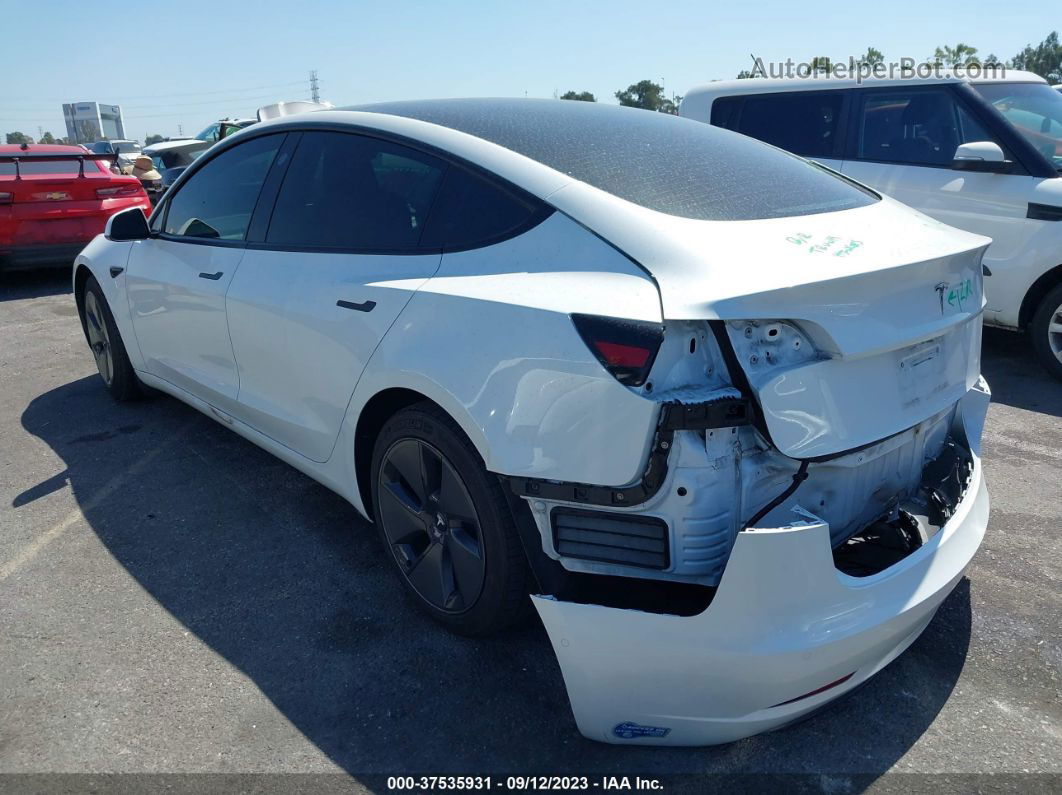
(885, 301)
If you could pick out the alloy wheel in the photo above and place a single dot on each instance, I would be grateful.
(98, 338)
(431, 525)
(1054, 332)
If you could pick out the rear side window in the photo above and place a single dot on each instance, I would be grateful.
(471, 212)
(354, 192)
(217, 201)
(806, 124)
(724, 111)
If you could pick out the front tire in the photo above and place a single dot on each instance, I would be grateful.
(445, 524)
(106, 344)
(1046, 332)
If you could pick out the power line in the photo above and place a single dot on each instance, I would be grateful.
(314, 93)
(229, 100)
(37, 100)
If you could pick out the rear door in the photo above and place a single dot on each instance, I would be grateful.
(176, 280)
(336, 264)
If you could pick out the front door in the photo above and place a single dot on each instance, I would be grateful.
(905, 142)
(178, 278)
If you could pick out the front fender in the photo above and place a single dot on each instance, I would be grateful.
(99, 256)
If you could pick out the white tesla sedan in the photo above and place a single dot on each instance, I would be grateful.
(717, 408)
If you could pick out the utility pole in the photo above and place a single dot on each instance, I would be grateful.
(315, 94)
(180, 131)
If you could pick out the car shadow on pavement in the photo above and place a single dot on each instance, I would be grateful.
(1015, 377)
(15, 285)
(281, 578)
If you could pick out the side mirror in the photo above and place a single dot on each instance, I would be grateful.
(127, 225)
(982, 156)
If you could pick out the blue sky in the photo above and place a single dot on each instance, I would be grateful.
(189, 63)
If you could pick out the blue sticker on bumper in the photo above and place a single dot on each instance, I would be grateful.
(628, 731)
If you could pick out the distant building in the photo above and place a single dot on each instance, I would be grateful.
(90, 121)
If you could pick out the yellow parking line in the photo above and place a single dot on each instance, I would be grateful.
(32, 549)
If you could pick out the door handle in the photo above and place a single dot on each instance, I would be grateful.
(212, 276)
(364, 306)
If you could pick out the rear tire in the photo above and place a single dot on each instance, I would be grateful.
(106, 344)
(445, 524)
(1045, 331)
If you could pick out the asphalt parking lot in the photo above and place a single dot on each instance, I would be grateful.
(173, 599)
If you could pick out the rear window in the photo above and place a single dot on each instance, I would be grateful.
(30, 167)
(662, 162)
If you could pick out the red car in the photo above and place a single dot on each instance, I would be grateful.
(55, 199)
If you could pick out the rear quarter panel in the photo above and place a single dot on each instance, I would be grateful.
(489, 338)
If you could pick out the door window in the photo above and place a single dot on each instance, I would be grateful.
(350, 191)
(915, 127)
(805, 123)
(217, 201)
(1035, 111)
(472, 212)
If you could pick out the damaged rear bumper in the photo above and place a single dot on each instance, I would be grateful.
(785, 633)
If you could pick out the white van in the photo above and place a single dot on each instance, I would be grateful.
(979, 154)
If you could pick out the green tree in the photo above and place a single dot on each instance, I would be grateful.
(873, 57)
(1045, 59)
(745, 74)
(647, 95)
(821, 63)
(18, 138)
(959, 55)
(47, 138)
(579, 96)
(153, 139)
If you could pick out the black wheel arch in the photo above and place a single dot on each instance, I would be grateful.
(1040, 288)
(374, 415)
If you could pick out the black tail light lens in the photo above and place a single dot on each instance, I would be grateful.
(626, 348)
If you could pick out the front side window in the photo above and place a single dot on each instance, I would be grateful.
(803, 123)
(218, 200)
(1034, 110)
(922, 128)
(354, 192)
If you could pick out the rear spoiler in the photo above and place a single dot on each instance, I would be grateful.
(81, 158)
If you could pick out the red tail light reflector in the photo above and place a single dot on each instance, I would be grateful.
(626, 348)
(816, 691)
(116, 191)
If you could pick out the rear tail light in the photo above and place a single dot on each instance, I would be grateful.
(626, 348)
(116, 191)
(6, 198)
